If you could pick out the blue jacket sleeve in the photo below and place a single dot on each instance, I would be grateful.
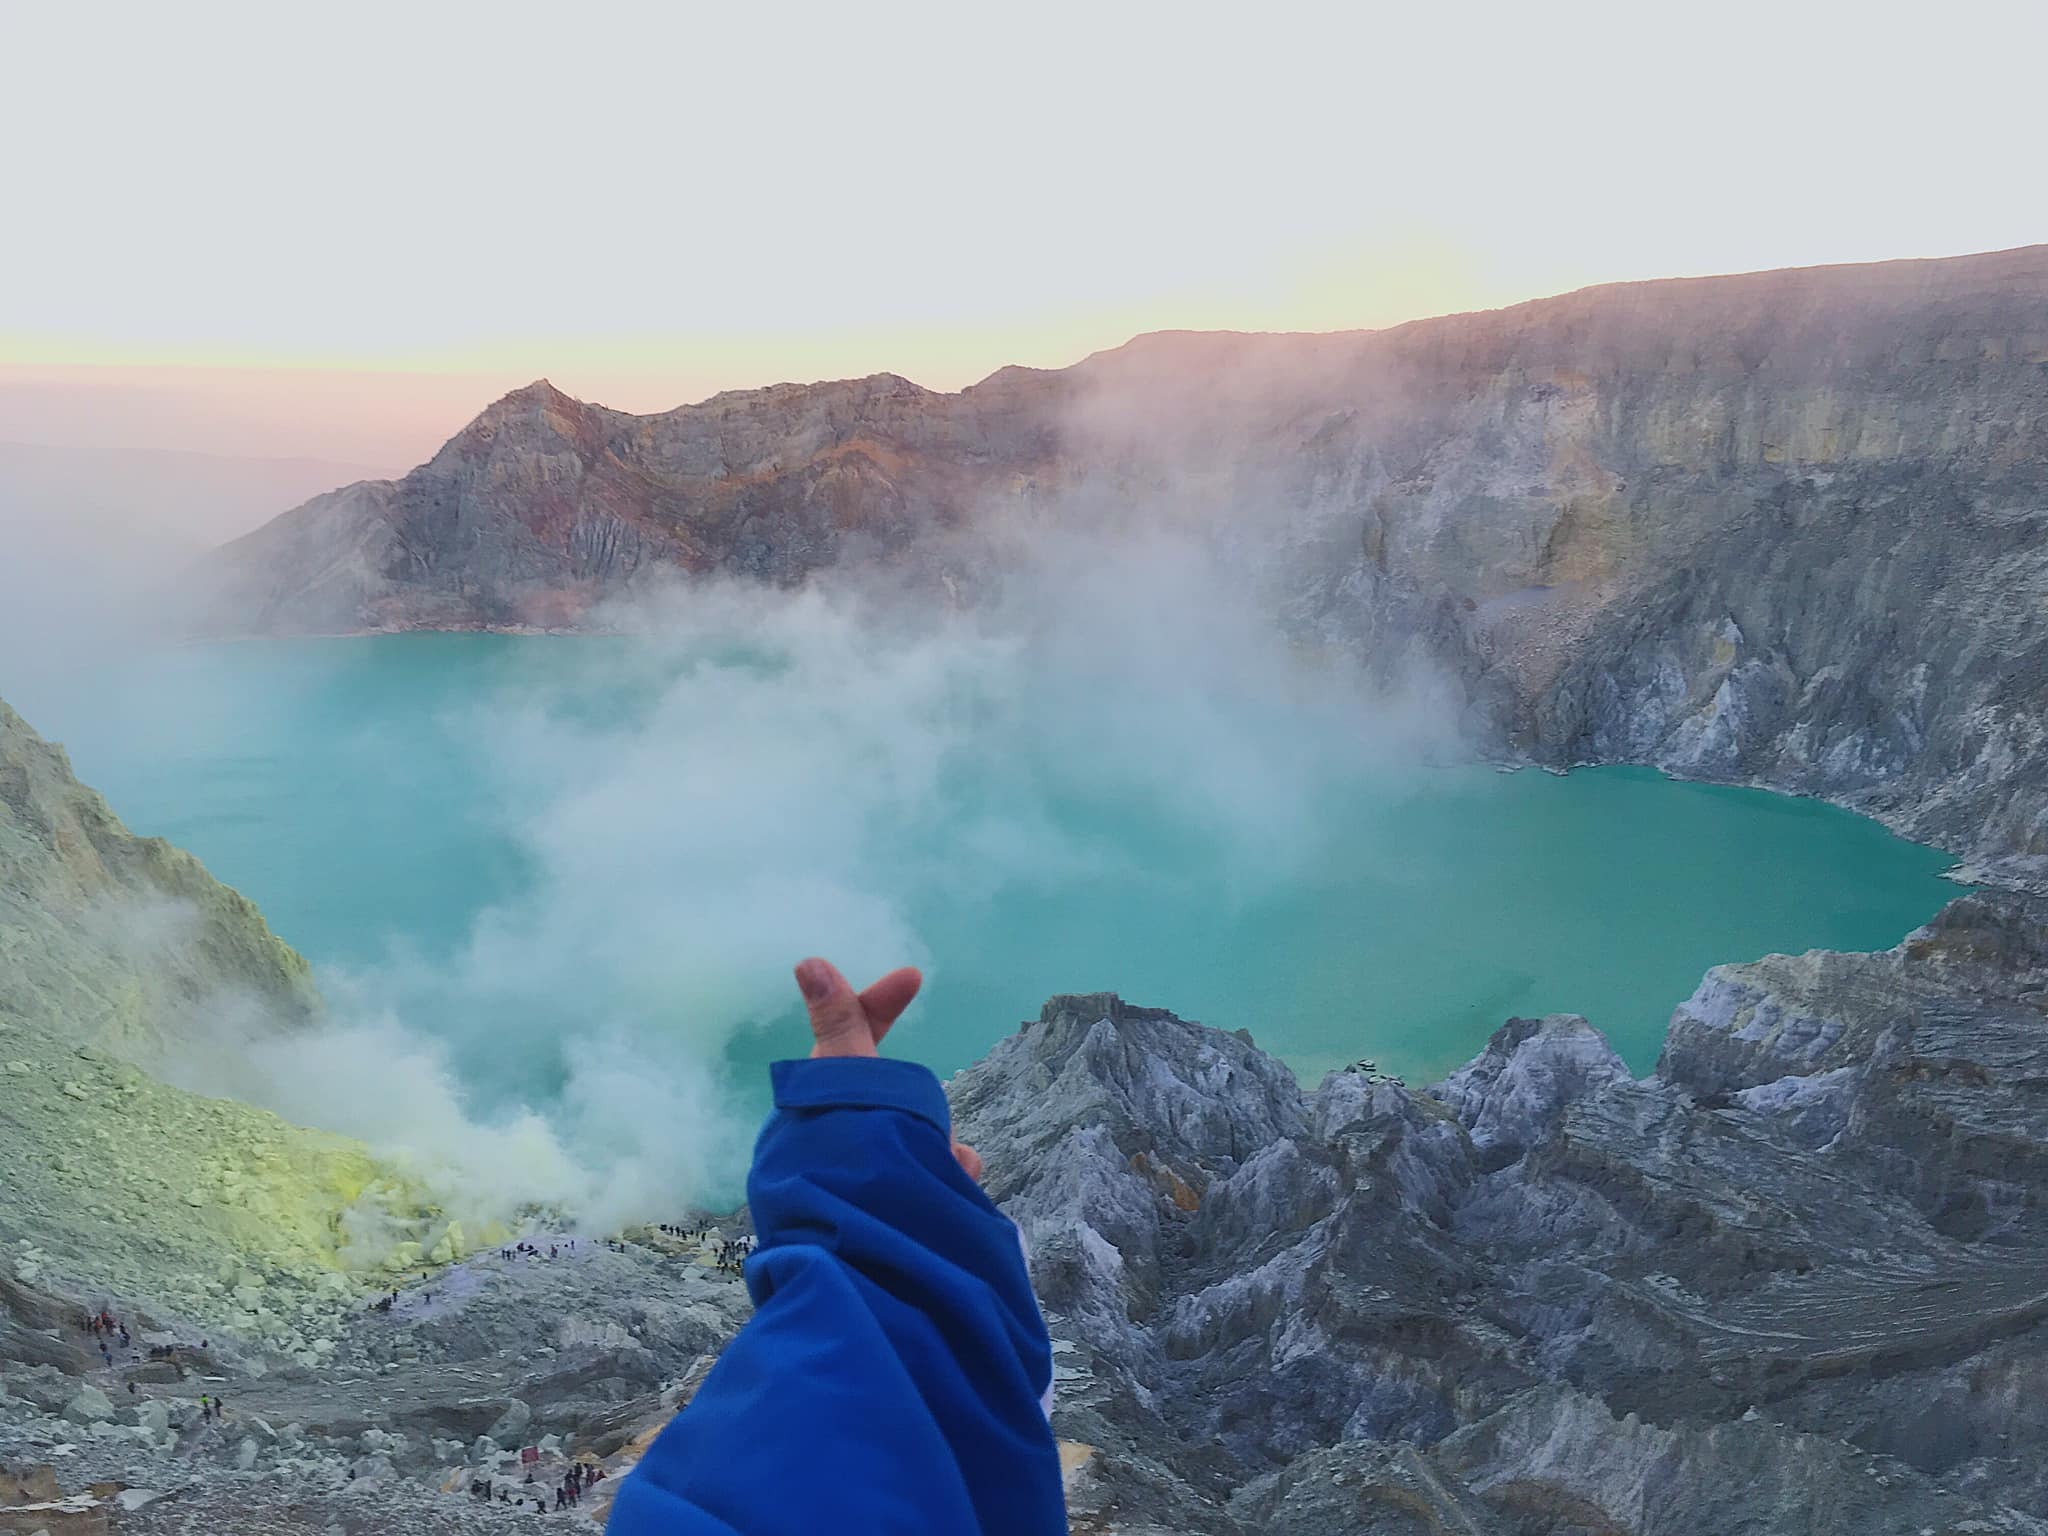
(890, 1380)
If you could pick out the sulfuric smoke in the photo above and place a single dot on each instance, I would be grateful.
(750, 776)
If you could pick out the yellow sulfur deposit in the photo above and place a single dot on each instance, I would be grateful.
(113, 1183)
(199, 1207)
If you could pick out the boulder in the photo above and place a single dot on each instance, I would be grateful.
(510, 1429)
(89, 1405)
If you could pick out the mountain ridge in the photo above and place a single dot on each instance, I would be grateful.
(1786, 528)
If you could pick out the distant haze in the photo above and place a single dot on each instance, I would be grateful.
(354, 424)
(87, 529)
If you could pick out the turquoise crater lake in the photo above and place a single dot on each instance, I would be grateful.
(396, 805)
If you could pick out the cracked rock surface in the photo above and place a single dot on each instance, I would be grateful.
(1793, 1280)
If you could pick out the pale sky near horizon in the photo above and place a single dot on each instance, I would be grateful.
(266, 230)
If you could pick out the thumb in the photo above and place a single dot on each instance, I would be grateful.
(968, 1159)
(839, 1025)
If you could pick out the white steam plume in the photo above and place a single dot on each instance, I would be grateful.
(758, 775)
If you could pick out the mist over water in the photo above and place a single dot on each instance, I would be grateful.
(553, 887)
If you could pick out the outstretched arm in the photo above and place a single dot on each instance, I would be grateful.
(891, 1377)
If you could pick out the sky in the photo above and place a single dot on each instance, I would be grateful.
(333, 233)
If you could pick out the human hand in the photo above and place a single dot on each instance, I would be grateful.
(849, 1023)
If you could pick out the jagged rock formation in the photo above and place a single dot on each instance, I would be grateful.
(1794, 1280)
(1785, 527)
(544, 505)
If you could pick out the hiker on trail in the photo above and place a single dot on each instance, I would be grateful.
(896, 1374)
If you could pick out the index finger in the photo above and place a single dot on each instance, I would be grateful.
(885, 1000)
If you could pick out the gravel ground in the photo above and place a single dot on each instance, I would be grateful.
(581, 1355)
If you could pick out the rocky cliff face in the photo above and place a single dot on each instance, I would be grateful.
(1785, 527)
(112, 946)
(1793, 1281)
(111, 932)
(544, 505)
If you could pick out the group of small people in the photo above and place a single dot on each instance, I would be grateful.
(579, 1479)
(524, 1250)
(731, 1252)
(105, 1328)
(581, 1475)
(732, 1255)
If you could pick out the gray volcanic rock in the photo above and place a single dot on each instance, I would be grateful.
(544, 505)
(582, 1356)
(1784, 527)
(1794, 1280)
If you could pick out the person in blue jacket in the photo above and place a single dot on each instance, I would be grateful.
(896, 1374)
